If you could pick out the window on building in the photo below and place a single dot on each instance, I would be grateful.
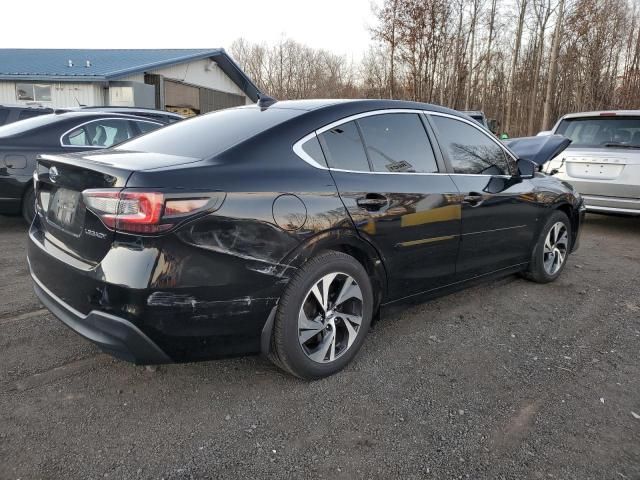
(33, 92)
(398, 142)
(470, 150)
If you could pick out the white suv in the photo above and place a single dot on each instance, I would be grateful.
(603, 160)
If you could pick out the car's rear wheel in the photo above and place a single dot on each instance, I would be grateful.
(29, 205)
(552, 249)
(323, 316)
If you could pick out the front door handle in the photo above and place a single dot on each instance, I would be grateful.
(372, 201)
(474, 199)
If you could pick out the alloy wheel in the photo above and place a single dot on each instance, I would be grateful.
(330, 317)
(555, 248)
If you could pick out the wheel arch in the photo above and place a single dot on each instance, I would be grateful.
(574, 218)
(349, 242)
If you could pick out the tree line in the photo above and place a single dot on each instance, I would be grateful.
(523, 62)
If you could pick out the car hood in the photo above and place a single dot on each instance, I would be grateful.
(539, 150)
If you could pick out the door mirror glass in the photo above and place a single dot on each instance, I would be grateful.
(526, 168)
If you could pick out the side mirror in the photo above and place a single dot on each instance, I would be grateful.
(544, 133)
(526, 168)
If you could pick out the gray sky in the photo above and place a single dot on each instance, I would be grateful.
(337, 25)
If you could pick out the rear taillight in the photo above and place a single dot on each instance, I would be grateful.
(134, 211)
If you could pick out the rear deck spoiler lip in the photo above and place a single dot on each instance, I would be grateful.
(538, 149)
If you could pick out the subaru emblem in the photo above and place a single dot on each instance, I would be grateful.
(53, 174)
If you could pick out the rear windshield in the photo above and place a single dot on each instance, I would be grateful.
(601, 131)
(22, 126)
(207, 135)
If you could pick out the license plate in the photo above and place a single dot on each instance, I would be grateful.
(63, 207)
(595, 171)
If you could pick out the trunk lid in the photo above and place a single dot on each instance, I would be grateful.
(64, 219)
(607, 171)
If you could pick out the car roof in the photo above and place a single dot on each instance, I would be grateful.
(107, 108)
(66, 114)
(356, 104)
(25, 106)
(603, 113)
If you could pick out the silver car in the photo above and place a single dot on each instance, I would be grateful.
(603, 160)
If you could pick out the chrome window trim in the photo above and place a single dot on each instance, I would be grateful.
(299, 151)
(99, 120)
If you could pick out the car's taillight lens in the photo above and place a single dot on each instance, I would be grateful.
(136, 211)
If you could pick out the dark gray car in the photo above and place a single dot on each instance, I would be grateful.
(68, 132)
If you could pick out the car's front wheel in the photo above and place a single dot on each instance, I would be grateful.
(323, 316)
(552, 249)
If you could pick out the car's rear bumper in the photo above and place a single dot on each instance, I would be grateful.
(114, 335)
(190, 303)
(604, 204)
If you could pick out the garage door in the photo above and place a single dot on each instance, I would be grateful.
(211, 100)
(181, 97)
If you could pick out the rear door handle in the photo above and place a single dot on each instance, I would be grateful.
(474, 199)
(372, 201)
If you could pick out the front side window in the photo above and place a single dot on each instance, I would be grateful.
(33, 92)
(343, 148)
(397, 142)
(100, 133)
(469, 150)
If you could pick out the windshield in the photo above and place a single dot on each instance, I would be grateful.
(27, 124)
(601, 131)
(207, 135)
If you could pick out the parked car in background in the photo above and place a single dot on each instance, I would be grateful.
(478, 116)
(481, 118)
(21, 142)
(288, 229)
(162, 115)
(13, 113)
(603, 160)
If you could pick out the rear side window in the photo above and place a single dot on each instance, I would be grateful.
(207, 135)
(146, 127)
(344, 149)
(601, 131)
(312, 148)
(470, 151)
(4, 114)
(17, 128)
(100, 133)
(28, 114)
(397, 142)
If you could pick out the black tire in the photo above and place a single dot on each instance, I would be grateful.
(29, 205)
(286, 349)
(536, 271)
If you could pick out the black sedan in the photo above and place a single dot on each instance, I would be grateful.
(285, 228)
(22, 141)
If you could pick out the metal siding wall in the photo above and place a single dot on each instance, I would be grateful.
(211, 100)
(62, 94)
(8, 92)
(138, 77)
(195, 73)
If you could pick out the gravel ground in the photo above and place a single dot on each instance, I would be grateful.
(506, 380)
